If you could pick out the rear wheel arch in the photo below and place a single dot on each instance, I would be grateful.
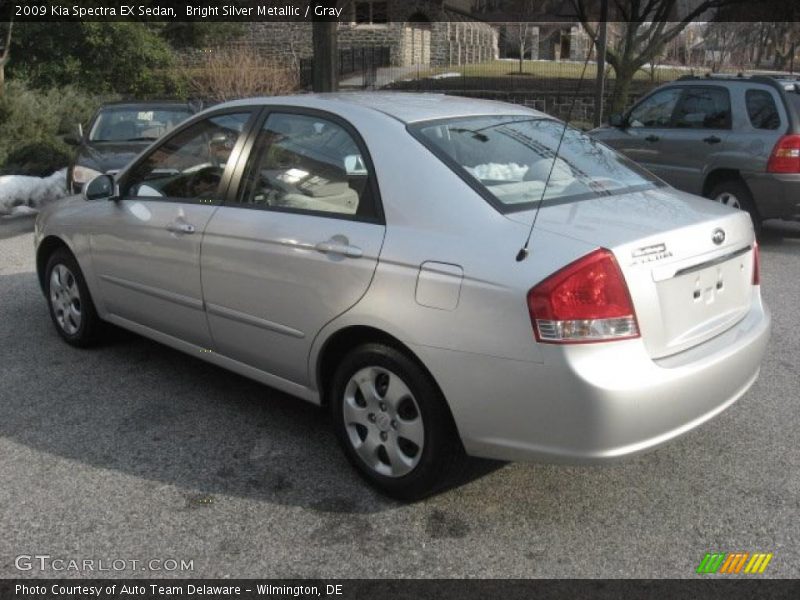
(346, 339)
(717, 176)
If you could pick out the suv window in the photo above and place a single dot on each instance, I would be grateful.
(656, 110)
(190, 164)
(305, 163)
(761, 109)
(704, 108)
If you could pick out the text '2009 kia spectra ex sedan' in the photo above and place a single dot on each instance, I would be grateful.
(368, 252)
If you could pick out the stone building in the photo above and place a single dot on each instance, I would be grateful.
(416, 32)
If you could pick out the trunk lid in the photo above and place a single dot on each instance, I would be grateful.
(686, 286)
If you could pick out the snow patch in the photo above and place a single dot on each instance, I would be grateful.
(21, 194)
(446, 75)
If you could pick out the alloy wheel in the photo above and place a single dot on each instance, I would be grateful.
(383, 421)
(65, 298)
(728, 199)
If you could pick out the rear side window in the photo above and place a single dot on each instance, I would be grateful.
(304, 163)
(761, 109)
(704, 108)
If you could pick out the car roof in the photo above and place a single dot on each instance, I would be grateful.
(402, 106)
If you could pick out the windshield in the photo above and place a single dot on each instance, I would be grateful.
(512, 157)
(132, 124)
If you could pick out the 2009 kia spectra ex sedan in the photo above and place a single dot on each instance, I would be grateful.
(364, 252)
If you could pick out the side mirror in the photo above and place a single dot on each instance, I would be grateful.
(100, 188)
(616, 120)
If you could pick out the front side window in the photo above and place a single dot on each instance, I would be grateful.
(655, 111)
(133, 124)
(761, 109)
(704, 108)
(306, 163)
(189, 165)
(513, 158)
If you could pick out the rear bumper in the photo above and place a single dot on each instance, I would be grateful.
(595, 402)
(777, 196)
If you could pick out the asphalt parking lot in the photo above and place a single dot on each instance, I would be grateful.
(133, 451)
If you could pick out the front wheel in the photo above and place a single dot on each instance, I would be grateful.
(736, 195)
(394, 424)
(71, 306)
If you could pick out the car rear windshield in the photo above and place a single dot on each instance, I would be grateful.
(509, 159)
(133, 124)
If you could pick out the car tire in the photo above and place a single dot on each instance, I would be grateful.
(735, 194)
(394, 424)
(71, 307)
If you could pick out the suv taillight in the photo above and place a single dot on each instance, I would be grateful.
(756, 264)
(586, 301)
(785, 157)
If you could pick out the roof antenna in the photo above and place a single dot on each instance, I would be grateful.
(523, 252)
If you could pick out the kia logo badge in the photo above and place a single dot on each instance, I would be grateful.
(718, 236)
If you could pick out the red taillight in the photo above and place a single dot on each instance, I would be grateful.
(785, 157)
(756, 264)
(586, 301)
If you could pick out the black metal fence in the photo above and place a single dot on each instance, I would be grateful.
(352, 61)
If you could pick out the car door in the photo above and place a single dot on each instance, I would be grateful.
(701, 124)
(146, 245)
(646, 127)
(295, 245)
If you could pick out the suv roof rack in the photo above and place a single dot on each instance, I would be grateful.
(787, 83)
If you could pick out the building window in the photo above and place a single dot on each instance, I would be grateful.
(371, 13)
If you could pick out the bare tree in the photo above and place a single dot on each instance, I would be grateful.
(645, 27)
(522, 35)
(5, 54)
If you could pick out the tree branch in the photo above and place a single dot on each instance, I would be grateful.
(7, 45)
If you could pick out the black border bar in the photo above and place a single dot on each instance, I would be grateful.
(713, 588)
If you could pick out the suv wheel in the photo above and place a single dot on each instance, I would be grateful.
(736, 195)
(394, 424)
(71, 306)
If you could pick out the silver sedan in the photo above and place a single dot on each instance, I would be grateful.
(450, 277)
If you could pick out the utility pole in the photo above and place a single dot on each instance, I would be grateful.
(600, 82)
(325, 77)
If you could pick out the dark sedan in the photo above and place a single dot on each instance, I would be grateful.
(116, 134)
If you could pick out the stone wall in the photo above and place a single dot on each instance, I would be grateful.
(440, 43)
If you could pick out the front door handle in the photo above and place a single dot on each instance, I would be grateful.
(335, 247)
(712, 139)
(180, 227)
(652, 138)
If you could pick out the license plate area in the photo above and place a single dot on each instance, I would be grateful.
(701, 301)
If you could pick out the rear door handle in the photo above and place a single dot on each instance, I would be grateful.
(180, 227)
(712, 139)
(332, 247)
(652, 138)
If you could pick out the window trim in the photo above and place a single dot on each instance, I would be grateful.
(227, 175)
(232, 195)
(415, 130)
